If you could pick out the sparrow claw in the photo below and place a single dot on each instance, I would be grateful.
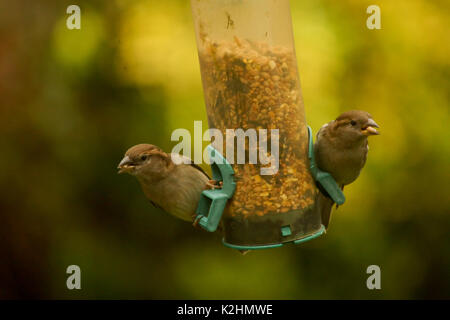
(195, 223)
(213, 184)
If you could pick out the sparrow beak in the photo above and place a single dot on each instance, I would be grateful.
(369, 128)
(126, 165)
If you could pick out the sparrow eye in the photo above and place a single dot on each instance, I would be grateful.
(353, 123)
(144, 157)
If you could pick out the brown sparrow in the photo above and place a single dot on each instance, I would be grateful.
(175, 188)
(341, 149)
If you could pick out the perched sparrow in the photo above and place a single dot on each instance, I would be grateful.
(175, 188)
(341, 149)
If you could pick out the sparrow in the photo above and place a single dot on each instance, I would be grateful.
(174, 188)
(341, 149)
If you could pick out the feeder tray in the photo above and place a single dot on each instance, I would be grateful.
(212, 202)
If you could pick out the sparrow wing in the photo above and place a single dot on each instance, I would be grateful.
(185, 160)
(200, 168)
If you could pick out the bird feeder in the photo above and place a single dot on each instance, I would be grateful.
(250, 81)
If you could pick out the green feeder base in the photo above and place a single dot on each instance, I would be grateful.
(212, 202)
(277, 245)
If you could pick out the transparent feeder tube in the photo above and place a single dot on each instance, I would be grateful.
(250, 81)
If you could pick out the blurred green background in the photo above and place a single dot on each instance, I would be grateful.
(72, 102)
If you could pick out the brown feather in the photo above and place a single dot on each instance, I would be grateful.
(200, 169)
(341, 149)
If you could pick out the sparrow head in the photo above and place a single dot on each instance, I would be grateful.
(145, 160)
(355, 125)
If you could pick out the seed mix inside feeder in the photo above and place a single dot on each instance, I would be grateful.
(250, 81)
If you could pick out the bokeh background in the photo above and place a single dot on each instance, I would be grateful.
(72, 102)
